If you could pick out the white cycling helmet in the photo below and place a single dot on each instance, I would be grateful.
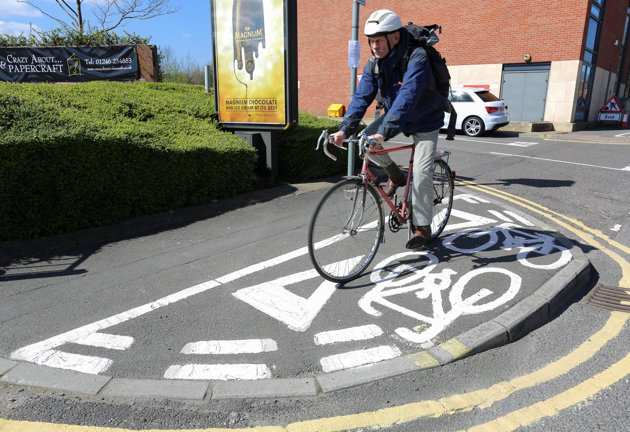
(382, 22)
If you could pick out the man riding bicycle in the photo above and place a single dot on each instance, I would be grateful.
(413, 106)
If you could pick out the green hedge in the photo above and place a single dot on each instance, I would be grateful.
(67, 36)
(75, 156)
(297, 159)
(91, 154)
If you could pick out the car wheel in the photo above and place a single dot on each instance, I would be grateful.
(473, 126)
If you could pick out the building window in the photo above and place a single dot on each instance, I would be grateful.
(587, 74)
(591, 36)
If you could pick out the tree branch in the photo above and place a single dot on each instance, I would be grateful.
(110, 13)
(114, 12)
(68, 9)
(63, 23)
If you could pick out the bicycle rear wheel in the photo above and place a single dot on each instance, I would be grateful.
(346, 230)
(443, 186)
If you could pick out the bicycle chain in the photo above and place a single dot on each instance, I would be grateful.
(395, 224)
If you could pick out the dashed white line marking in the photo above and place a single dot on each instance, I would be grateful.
(513, 144)
(522, 144)
(561, 161)
(519, 218)
(34, 353)
(510, 216)
(219, 347)
(104, 340)
(347, 335)
(470, 198)
(76, 362)
(39, 352)
(221, 372)
(359, 358)
(471, 220)
(499, 215)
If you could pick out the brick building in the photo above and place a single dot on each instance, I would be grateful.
(554, 61)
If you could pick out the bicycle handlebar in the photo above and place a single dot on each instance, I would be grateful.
(363, 143)
(323, 138)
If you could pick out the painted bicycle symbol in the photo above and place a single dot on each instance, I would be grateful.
(422, 279)
(531, 245)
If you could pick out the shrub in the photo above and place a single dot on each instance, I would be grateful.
(91, 154)
(67, 36)
(74, 156)
(297, 159)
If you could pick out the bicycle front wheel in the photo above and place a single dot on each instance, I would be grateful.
(346, 230)
(443, 186)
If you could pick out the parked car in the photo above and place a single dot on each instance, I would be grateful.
(478, 111)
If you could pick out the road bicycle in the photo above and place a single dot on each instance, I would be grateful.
(348, 224)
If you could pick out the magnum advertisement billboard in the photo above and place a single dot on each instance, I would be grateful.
(255, 63)
(68, 64)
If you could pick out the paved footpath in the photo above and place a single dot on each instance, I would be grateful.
(222, 302)
(604, 136)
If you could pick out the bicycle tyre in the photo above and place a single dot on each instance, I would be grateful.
(342, 239)
(443, 186)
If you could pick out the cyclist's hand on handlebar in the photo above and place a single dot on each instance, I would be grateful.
(337, 138)
(375, 140)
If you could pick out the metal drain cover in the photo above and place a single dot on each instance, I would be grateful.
(613, 298)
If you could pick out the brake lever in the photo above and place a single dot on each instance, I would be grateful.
(323, 138)
(362, 140)
(327, 153)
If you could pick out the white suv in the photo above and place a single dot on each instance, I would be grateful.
(478, 111)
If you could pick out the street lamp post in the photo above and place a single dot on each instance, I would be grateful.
(353, 73)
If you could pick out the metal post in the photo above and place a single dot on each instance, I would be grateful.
(353, 78)
(355, 36)
(207, 75)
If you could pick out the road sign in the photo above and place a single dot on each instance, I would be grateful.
(606, 116)
(354, 53)
(361, 2)
(612, 106)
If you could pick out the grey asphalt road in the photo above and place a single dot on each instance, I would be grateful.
(223, 272)
(240, 266)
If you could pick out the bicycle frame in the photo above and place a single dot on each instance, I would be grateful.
(365, 171)
(366, 174)
(357, 234)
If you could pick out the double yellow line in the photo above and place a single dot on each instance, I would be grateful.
(458, 403)
(617, 320)
(588, 235)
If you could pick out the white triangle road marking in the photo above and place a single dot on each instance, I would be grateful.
(273, 299)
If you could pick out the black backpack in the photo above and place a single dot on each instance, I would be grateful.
(424, 37)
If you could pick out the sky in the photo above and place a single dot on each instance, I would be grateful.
(186, 33)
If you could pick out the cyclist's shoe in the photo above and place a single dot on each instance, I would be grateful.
(419, 238)
(392, 185)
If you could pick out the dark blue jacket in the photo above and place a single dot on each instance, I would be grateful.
(412, 102)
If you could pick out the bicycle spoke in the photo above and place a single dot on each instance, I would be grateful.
(345, 231)
(443, 186)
